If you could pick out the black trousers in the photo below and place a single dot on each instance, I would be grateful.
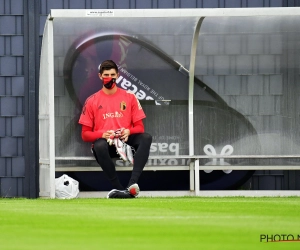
(104, 153)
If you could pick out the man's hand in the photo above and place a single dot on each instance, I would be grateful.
(125, 134)
(107, 134)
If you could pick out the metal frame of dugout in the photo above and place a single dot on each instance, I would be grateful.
(47, 159)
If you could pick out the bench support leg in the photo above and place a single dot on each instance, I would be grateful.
(192, 176)
(197, 177)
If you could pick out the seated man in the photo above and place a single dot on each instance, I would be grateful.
(115, 115)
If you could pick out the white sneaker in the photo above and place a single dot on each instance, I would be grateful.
(129, 153)
(119, 194)
(121, 148)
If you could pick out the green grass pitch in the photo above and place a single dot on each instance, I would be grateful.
(181, 223)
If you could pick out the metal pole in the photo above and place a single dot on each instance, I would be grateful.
(191, 85)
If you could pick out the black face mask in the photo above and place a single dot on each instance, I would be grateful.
(109, 82)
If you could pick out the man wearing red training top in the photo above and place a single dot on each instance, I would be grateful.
(110, 113)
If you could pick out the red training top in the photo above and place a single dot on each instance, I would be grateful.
(103, 112)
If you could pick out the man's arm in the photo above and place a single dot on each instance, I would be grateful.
(88, 135)
(138, 127)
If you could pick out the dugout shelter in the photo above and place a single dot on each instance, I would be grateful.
(219, 88)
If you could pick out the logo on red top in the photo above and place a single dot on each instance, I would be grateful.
(123, 105)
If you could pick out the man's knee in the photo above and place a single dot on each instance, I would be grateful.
(146, 138)
(100, 145)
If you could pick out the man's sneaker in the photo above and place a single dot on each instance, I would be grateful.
(129, 153)
(121, 148)
(119, 194)
(134, 189)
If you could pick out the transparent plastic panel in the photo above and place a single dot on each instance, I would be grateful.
(152, 55)
(252, 65)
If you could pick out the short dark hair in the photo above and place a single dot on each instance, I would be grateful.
(107, 65)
